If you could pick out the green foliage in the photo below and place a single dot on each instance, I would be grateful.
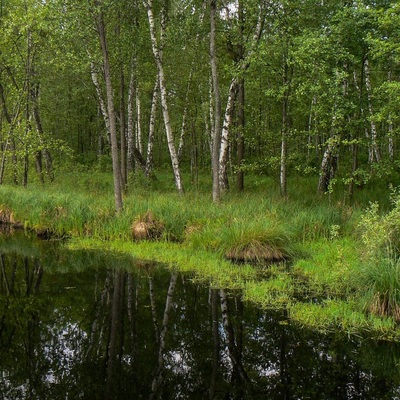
(379, 274)
(380, 231)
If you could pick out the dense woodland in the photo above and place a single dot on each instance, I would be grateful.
(150, 99)
(274, 87)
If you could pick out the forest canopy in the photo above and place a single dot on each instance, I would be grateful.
(277, 88)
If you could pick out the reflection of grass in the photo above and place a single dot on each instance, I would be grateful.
(333, 314)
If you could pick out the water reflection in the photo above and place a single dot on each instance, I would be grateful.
(85, 325)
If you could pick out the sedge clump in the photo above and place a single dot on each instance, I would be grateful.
(147, 227)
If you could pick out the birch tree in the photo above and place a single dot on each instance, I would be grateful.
(157, 52)
(100, 25)
(216, 101)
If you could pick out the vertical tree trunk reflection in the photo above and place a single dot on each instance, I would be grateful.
(114, 352)
(235, 351)
(99, 322)
(158, 377)
(284, 373)
(154, 310)
(216, 345)
(132, 309)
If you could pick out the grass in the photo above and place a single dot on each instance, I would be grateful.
(323, 279)
(381, 284)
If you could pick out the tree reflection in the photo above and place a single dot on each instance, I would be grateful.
(85, 325)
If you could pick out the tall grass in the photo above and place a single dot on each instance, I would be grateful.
(380, 282)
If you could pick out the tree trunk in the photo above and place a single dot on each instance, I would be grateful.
(328, 164)
(285, 128)
(164, 97)
(110, 113)
(100, 99)
(184, 117)
(226, 128)
(374, 134)
(44, 153)
(240, 137)
(130, 124)
(216, 130)
(152, 129)
(124, 173)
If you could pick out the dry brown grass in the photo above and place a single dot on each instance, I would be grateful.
(382, 305)
(147, 227)
(6, 216)
(256, 252)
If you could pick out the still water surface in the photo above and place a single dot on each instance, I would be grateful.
(93, 325)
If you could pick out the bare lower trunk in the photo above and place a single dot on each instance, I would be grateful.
(39, 166)
(240, 138)
(111, 114)
(226, 128)
(216, 131)
(390, 139)
(152, 129)
(139, 138)
(130, 123)
(124, 173)
(283, 163)
(285, 129)
(100, 99)
(325, 174)
(374, 133)
(164, 98)
(44, 153)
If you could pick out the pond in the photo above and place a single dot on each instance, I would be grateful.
(86, 325)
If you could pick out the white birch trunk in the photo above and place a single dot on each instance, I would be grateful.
(391, 142)
(139, 140)
(184, 118)
(374, 134)
(152, 129)
(216, 122)
(362, 113)
(100, 99)
(130, 126)
(226, 128)
(164, 98)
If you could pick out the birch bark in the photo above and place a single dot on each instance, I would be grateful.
(374, 133)
(164, 97)
(216, 131)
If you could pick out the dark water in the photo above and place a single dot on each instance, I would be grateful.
(86, 325)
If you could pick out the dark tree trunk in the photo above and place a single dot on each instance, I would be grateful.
(110, 112)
